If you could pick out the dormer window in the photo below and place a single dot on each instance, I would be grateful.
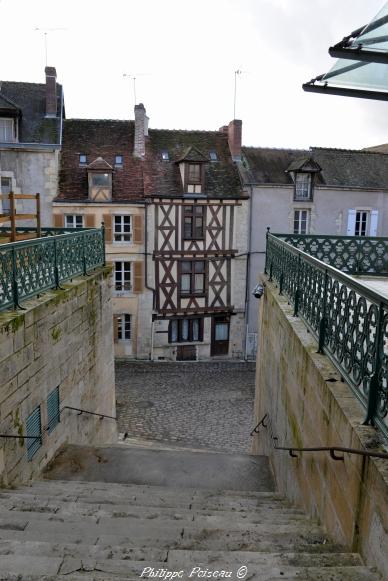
(100, 180)
(194, 185)
(165, 156)
(7, 130)
(82, 159)
(303, 183)
(213, 156)
(304, 172)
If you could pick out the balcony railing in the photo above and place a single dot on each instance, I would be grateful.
(349, 320)
(31, 267)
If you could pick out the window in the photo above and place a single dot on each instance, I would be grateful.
(123, 276)
(83, 159)
(193, 221)
(165, 156)
(7, 130)
(123, 327)
(6, 187)
(301, 221)
(74, 221)
(101, 179)
(192, 277)
(303, 190)
(53, 417)
(362, 223)
(34, 428)
(194, 185)
(119, 160)
(213, 156)
(122, 229)
(185, 330)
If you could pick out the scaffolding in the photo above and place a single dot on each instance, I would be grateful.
(12, 233)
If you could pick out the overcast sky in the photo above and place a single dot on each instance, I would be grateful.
(184, 55)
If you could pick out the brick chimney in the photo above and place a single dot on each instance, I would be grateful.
(234, 139)
(51, 91)
(141, 130)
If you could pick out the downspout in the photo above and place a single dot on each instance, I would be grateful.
(248, 272)
(146, 275)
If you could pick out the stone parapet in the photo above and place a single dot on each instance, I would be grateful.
(62, 339)
(309, 405)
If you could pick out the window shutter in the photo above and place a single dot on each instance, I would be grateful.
(138, 277)
(351, 223)
(115, 328)
(90, 221)
(108, 227)
(374, 218)
(138, 229)
(59, 220)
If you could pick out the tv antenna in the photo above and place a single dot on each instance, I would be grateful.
(45, 33)
(132, 77)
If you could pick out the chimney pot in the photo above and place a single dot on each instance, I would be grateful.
(51, 91)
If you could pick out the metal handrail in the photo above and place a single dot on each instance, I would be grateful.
(82, 411)
(331, 449)
(21, 437)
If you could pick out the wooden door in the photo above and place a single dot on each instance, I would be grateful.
(220, 336)
(186, 353)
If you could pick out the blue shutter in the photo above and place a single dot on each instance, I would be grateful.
(33, 428)
(53, 417)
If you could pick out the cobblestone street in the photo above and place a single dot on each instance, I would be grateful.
(196, 405)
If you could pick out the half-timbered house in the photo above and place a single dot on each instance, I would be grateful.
(198, 228)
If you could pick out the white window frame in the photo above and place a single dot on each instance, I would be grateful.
(300, 220)
(72, 219)
(125, 278)
(5, 202)
(120, 230)
(372, 217)
(7, 130)
(303, 186)
(124, 327)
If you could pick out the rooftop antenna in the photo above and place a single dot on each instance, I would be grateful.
(236, 74)
(133, 77)
(45, 33)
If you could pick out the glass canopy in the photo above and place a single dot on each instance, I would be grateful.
(362, 70)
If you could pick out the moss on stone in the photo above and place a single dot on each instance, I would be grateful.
(14, 324)
(56, 333)
(18, 425)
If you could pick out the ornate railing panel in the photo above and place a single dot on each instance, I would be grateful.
(352, 254)
(33, 266)
(349, 320)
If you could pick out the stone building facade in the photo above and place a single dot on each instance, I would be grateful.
(31, 117)
(316, 191)
(101, 181)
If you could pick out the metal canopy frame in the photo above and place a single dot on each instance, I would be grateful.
(349, 48)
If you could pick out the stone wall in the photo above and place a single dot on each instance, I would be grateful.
(32, 171)
(310, 406)
(62, 339)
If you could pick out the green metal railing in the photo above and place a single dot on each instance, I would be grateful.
(358, 255)
(30, 267)
(349, 320)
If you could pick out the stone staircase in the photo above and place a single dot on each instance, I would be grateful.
(90, 525)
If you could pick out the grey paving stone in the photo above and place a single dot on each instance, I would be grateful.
(193, 404)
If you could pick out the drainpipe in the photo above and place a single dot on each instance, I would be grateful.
(248, 273)
(146, 274)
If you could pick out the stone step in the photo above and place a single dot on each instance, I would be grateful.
(184, 469)
(271, 514)
(51, 567)
(175, 558)
(170, 538)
